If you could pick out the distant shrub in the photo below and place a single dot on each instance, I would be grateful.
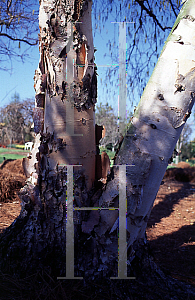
(11, 146)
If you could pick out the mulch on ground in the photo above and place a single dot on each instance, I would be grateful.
(12, 178)
(171, 227)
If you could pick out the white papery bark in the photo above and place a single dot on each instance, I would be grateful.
(157, 123)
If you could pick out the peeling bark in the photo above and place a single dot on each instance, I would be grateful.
(66, 85)
(105, 163)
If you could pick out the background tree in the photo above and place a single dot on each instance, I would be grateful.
(183, 139)
(105, 116)
(17, 118)
(18, 27)
(188, 150)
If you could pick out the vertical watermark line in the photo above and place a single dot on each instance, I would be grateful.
(69, 225)
(70, 118)
(70, 74)
(122, 78)
(122, 238)
(122, 255)
(70, 78)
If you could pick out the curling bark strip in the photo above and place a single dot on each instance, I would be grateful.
(66, 85)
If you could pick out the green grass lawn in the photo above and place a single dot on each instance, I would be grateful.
(10, 150)
(3, 153)
(11, 156)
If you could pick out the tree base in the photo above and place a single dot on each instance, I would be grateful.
(38, 275)
(33, 251)
(152, 284)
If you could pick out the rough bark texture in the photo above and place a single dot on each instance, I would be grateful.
(38, 236)
(66, 91)
(66, 86)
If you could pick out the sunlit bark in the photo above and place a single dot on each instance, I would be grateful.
(158, 121)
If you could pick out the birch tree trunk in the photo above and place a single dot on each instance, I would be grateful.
(65, 85)
(64, 122)
(38, 236)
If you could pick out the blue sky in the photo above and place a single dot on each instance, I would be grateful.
(19, 78)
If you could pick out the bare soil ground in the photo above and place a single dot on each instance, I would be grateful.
(15, 152)
(171, 227)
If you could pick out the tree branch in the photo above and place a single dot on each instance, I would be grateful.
(9, 3)
(17, 39)
(150, 13)
(173, 8)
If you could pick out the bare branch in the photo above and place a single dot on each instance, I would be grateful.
(19, 40)
(173, 8)
(150, 13)
(18, 23)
